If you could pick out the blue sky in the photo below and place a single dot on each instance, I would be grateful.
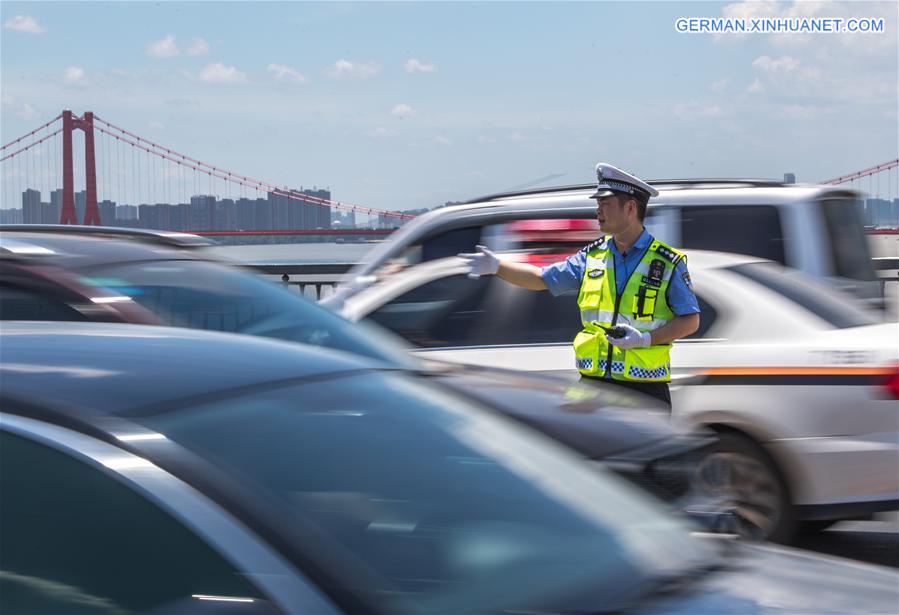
(405, 105)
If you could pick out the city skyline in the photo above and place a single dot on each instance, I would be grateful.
(276, 212)
(381, 103)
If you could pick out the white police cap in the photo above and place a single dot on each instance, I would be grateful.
(613, 180)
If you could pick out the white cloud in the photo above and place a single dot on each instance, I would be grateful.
(157, 125)
(219, 73)
(768, 64)
(401, 110)
(695, 110)
(518, 137)
(345, 68)
(199, 47)
(719, 86)
(24, 23)
(281, 72)
(74, 76)
(756, 86)
(481, 139)
(381, 133)
(802, 112)
(440, 140)
(21, 110)
(414, 66)
(166, 48)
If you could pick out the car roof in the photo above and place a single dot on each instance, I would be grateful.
(116, 368)
(574, 201)
(73, 250)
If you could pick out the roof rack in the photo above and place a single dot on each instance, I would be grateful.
(165, 238)
(709, 182)
(501, 195)
(717, 181)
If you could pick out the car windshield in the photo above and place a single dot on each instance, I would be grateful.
(204, 295)
(449, 507)
(837, 309)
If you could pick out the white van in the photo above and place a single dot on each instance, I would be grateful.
(813, 228)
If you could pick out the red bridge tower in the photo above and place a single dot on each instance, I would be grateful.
(91, 212)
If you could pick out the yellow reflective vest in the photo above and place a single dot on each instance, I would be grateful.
(643, 305)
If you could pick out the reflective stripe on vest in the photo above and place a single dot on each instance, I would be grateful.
(643, 305)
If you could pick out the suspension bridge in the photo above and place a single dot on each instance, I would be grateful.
(129, 180)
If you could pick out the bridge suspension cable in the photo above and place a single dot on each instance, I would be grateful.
(230, 176)
(884, 166)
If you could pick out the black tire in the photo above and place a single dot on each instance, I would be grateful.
(818, 525)
(738, 475)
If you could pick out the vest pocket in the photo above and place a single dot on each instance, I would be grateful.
(586, 352)
(644, 306)
(647, 364)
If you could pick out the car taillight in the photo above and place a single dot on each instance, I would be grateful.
(890, 383)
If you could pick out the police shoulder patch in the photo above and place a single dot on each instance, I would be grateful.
(686, 279)
(670, 255)
(599, 243)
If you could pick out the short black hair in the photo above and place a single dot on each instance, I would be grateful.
(640, 199)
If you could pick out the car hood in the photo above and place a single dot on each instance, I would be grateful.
(774, 579)
(597, 421)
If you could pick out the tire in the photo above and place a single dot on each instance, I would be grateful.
(818, 525)
(738, 475)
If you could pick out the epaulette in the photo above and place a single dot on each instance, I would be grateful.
(668, 254)
(599, 243)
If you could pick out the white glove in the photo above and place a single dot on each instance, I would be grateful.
(632, 338)
(482, 262)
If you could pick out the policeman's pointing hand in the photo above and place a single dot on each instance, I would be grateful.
(632, 338)
(482, 262)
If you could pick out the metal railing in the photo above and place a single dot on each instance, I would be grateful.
(315, 280)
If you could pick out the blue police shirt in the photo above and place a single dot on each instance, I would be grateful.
(566, 276)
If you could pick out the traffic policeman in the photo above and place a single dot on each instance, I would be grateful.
(634, 291)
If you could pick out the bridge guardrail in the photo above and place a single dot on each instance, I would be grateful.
(310, 279)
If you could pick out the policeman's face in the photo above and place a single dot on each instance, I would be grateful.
(612, 213)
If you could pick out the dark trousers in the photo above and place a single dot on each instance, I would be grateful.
(657, 390)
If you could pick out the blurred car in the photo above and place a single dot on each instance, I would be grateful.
(62, 272)
(799, 381)
(147, 277)
(817, 229)
(175, 471)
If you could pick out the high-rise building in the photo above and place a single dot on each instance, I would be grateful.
(55, 206)
(281, 206)
(80, 206)
(316, 214)
(245, 214)
(262, 215)
(31, 207)
(225, 215)
(107, 212)
(125, 212)
(202, 212)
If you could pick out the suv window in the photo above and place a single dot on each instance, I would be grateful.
(846, 232)
(17, 303)
(835, 308)
(75, 541)
(745, 229)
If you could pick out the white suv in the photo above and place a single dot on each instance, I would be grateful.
(813, 228)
